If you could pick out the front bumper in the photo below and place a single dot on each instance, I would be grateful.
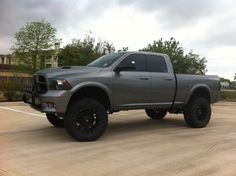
(53, 101)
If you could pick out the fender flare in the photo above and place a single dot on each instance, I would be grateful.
(93, 84)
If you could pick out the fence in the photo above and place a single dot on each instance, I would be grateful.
(12, 87)
(5, 67)
(14, 79)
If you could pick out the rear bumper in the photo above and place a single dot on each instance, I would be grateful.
(53, 101)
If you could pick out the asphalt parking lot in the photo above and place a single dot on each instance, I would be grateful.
(132, 145)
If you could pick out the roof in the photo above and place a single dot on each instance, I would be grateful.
(143, 52)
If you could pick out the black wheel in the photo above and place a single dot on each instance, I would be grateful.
(86, 120)
(55, 120)
(156, 114)
(197, 113)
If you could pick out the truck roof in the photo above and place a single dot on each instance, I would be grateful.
(143, 52)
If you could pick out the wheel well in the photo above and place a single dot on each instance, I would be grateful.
(92, 92)
(201, 92)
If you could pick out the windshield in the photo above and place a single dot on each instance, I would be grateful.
(106, 60)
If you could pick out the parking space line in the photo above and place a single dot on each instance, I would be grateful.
(28, 113)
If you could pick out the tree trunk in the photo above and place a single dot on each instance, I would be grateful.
(34, 61)
(42, 62)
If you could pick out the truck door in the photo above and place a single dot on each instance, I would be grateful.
(162, 81)
(132, 86)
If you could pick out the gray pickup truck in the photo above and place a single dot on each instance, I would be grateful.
(81, 97)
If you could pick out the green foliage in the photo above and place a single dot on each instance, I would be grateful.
(12, 91)
(183, 63)
(82, 52)
(22, 69)
(233, 85)
(228, 95)
(31, 42)
(123, 49)
(234, 76)
(224, 80)
(12, 87)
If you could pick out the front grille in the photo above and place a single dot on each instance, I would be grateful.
(40, 84)
(42, 79)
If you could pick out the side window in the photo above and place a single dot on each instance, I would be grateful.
(156, 64)
(139, 60)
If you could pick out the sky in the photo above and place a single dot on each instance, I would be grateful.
(205, 26)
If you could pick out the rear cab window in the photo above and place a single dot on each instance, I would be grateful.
(156, 63)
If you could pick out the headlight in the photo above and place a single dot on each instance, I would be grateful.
(58, 84)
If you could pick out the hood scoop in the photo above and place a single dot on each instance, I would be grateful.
(66, 67)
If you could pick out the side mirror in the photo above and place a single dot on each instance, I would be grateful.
(124, 67)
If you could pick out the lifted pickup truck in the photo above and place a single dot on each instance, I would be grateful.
(81, 97)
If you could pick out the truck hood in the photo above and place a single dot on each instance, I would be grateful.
(67, 71)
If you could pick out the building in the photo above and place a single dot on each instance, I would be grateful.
(224, 84)
(52, 61)
(50, 57)
(6, 59)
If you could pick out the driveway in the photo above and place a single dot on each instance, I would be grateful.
(132, 145)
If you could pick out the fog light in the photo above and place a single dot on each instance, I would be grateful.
(50, 105)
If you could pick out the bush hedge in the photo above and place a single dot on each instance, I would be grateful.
(12, 87)
(226, 95)
(12, 91)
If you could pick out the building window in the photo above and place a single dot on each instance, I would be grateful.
(2, 60)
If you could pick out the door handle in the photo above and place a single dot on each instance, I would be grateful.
(143, 78)
(168, 79)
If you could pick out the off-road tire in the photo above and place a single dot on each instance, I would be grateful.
(86, 119)
(197, 113)
(55, 120)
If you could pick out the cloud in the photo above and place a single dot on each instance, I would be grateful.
(72, 15)
(63, 15)
(220, 30)
(203, 22)
(14, 14)
(175, 13)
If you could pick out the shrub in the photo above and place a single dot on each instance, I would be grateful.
(12, 91)
(228, 95)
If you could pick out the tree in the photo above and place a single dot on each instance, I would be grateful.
(31, 43)
(183, 63)
(224, 80)
(234, 76)
(82, 52)
(123, 49)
